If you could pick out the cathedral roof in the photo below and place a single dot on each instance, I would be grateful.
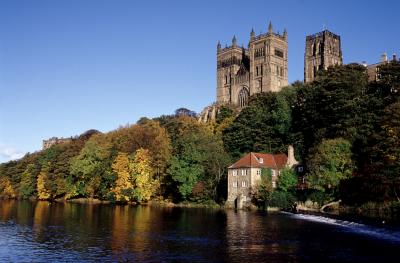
(261, 160)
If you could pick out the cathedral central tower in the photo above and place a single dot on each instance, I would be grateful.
(262, 67)
(323, 50)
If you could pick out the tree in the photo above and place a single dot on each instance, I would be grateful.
(287, 180)
(42, 189)
(185, 112)
(263, 126)
(329, 163)
(90, 172)
(331, 106)
(262, 194)
(123, 189)
(198, 157)
(145, 185)
(27, 184)
(6, 188)
(186, 173)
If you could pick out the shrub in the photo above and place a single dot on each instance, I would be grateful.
(283, 200)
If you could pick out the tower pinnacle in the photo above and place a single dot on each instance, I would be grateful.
(270, 27)
(234, 41)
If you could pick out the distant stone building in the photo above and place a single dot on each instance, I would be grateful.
(245, 175)
(54, 140)
(208, 114)
(373, 69)
(323, 50)
(262, 67)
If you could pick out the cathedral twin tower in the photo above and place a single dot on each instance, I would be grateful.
(263, 66)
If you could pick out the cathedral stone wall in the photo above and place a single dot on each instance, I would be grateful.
(262, 67)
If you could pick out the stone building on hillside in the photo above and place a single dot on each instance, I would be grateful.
(245, 175)
(53, 141)
(373, 69)
(323, 50)
(262, 67)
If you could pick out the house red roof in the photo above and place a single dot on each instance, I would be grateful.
(261, 160)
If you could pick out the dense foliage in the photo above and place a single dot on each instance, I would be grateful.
(345, 131)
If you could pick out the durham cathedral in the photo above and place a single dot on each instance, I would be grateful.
(263, 66)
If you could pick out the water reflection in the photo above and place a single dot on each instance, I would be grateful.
(259, 236)
(74, 232)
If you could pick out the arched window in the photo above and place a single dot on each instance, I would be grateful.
(243, 97)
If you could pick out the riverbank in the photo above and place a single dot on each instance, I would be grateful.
(388, 212)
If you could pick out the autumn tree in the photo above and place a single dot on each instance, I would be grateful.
(123, 189)
(6, 189)
(144, 181)
(42, 184)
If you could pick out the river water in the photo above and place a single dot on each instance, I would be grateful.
(58, 232)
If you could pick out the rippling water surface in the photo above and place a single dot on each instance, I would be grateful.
(55, 232)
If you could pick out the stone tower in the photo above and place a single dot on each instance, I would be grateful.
(262, 67)
(323, 50)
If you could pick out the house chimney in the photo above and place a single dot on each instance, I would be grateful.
(394, 57)
(291, 161)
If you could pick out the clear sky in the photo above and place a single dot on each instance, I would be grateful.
(73, 65)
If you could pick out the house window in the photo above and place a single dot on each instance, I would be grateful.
(244, 172)
(234, 172)
(273, 173)
(235, 184)
(261, 160)
(258, 172)
(243, 183)
(273, 184)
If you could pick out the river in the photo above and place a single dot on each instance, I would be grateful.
(65, 232)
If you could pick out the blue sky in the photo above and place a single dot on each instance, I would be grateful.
(70, 66)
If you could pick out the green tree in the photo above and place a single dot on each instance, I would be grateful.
(331, 106)
(186, 172)
(329, 163)
(27, 184)
(262, 194)
(263, 126)
(91, 174)
(287, 180)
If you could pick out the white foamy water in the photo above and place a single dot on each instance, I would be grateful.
(377, 232)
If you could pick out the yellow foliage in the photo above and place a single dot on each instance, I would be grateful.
(43, 193)
(121, 166)
(143, 175)
(8, 190)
